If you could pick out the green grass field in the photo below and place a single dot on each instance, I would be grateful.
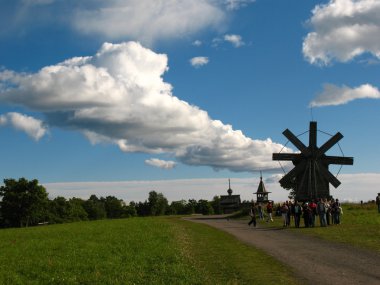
(360, 226)
(160, 250)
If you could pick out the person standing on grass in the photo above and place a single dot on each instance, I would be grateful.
(252, 214)
(284, 212)
(378, 202)
(321, 209)
(306, 214)
(297, 214)
(261, 211)
(269, 211)
(328, 212)
(337, 212)
(313, 208)
(289, 204)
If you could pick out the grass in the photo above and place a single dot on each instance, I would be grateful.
(360, 227)
(133, 251)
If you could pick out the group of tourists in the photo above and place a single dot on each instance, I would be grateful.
(327, 212)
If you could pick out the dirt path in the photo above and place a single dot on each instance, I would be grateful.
(314, 261)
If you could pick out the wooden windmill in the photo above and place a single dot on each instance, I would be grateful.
(311, 176)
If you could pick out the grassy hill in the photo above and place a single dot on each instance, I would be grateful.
(161, 250)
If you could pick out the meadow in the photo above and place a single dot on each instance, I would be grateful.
(360, 227)
(151, 250)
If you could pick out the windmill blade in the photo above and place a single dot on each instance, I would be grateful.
(329, 144)
(294, 172)
(328, 175)
(296, 142)
(343, 160)
(285, 156)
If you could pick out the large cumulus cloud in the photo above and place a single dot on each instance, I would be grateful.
(343, 29)
(118, 96)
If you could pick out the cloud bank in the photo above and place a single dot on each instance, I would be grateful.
(354, 188)
(148, 21)
(333, 95)
(118, 96)
(343, 30)
(145, 21)
(164, 164)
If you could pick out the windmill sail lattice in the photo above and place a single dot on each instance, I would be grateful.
(311, 176)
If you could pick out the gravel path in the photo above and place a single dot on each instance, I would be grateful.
(313, 260)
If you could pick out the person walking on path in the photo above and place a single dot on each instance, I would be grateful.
(378, 202)
(252, 214)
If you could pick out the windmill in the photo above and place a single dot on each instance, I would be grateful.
(311, 176)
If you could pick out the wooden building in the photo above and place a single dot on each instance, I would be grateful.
(261, 193)
(229, 203)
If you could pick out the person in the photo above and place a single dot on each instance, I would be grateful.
(321, 210)
(306, 214)
(261, 212)
(337, 211)
(378, 202)
(313, 208)
(297, 212)
(252, 214)
(284, 212)
(288, 218)
(328, 212)
(269, 211)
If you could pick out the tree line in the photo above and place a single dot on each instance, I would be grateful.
(26, 203)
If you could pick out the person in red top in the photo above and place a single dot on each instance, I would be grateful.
(313, 208)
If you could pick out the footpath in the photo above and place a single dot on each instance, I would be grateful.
(313, 260)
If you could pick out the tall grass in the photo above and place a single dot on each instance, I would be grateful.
(132, 251)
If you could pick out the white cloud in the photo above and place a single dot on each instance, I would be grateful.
(164, 164)
(343, 29)
(235, 40)
(148, 21)
(335, 95)
(354, 187)
(118, 96)
(31, 126)
(199, 61)
(197, 43)
(237, 4)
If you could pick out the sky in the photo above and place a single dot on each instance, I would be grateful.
(122, 97)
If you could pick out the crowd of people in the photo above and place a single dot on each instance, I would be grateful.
(327, 212)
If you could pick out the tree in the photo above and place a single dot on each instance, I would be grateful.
(76, 210)
(157, 203)
(59, 209)
(113, 207)
(95, 208)
(215, 203)
(204, 207)
(24, 203)
(177, 208)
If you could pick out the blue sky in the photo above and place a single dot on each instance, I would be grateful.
(172, 90)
